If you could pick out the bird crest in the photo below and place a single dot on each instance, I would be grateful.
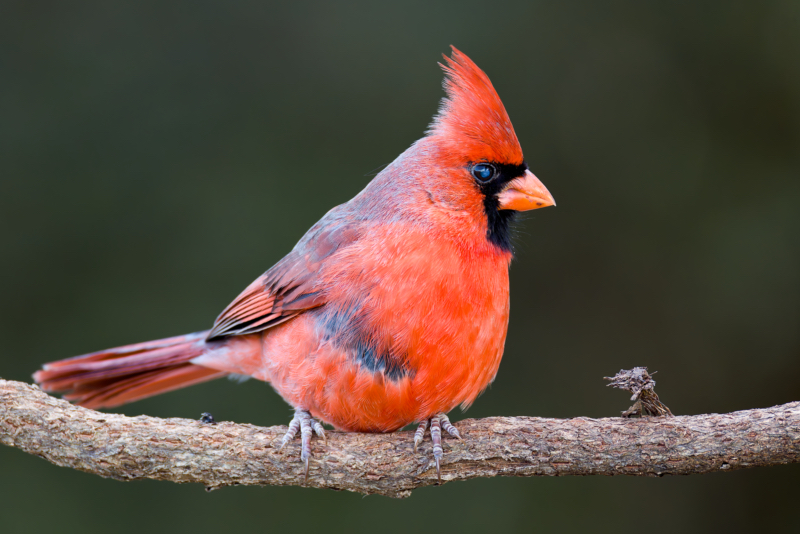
(471, 119)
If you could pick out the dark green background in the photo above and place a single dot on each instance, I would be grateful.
(155, 157)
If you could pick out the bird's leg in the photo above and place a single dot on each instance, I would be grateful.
(303, 422)
(438, 422)
(419, 435)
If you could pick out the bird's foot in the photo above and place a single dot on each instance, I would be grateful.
(303, 422)
(438, 423)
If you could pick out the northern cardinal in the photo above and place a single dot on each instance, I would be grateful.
(392, 309)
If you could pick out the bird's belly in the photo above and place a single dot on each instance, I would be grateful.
(354, 390)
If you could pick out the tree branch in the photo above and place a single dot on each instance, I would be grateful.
(224, 454)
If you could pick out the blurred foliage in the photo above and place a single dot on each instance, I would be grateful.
(156, 157)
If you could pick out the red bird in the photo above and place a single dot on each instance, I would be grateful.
(392, 309)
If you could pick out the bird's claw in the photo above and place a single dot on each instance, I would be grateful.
(448, 427)
(307, 425)
(437, 422)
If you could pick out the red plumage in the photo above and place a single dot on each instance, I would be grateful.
(392, 309)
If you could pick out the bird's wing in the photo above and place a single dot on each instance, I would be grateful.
(290, 287)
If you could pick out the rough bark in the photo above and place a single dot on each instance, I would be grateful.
(224, 454)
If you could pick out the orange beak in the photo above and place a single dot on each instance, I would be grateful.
(525, 193)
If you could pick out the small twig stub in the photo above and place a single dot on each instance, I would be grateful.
(207, 418)
(639, 382)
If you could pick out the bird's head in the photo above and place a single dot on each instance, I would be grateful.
(474, 135)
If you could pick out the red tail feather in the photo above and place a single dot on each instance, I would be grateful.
(125, 374)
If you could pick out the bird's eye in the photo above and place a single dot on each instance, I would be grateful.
(483, 172)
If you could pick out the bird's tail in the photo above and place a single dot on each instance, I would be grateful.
(125, 374)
